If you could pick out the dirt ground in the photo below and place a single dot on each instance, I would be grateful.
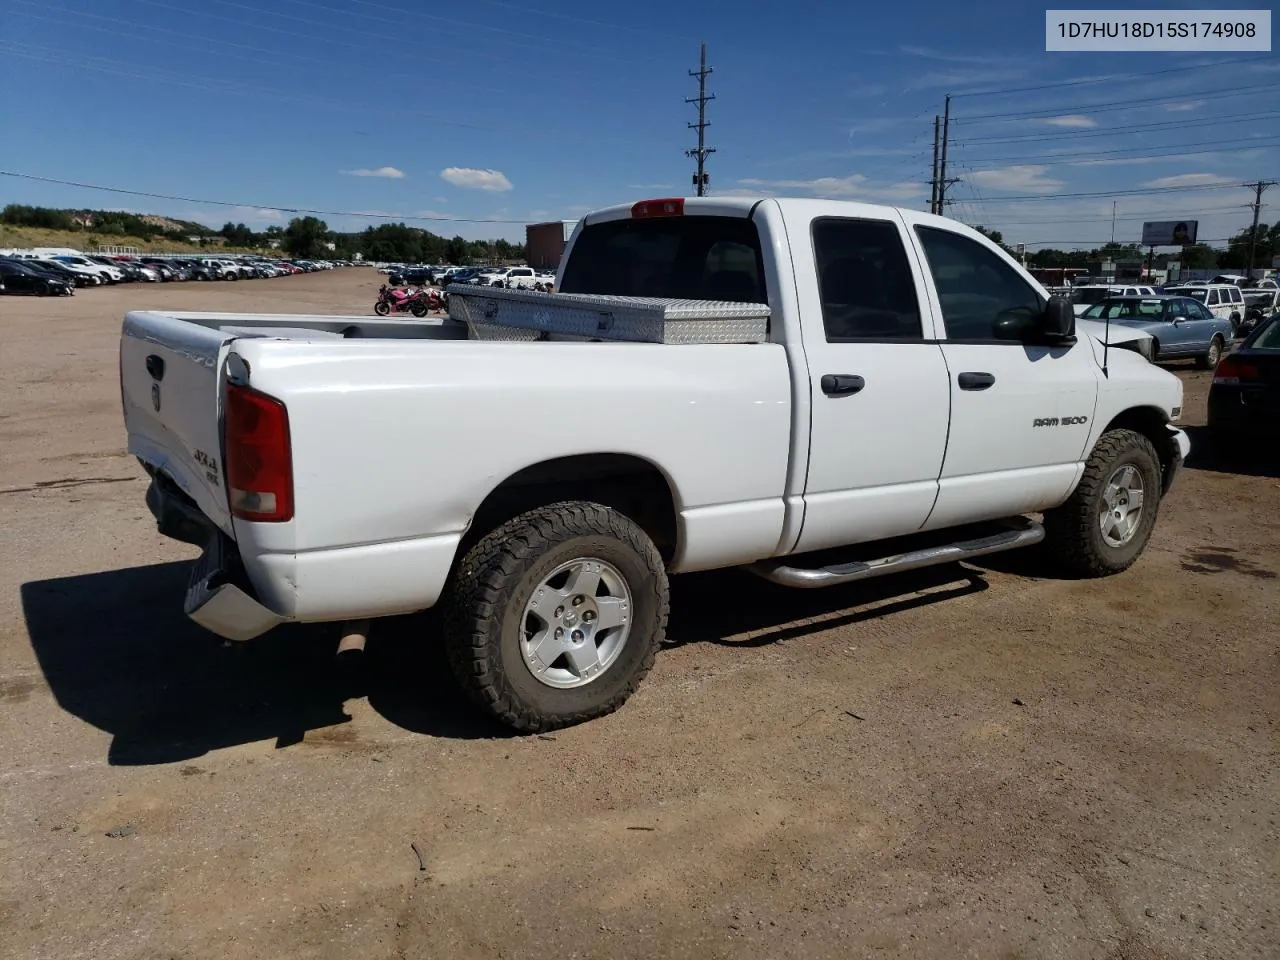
(981, 761)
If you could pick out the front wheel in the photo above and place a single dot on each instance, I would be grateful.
(1210, 360)
(1106, 523)
(382, 308)
(555, 617)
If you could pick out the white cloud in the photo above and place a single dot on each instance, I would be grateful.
(1071, 122)
(961, 77)
(930, 54)
(1126, 161)
(389, 173)
(494, 181)
(1188, 180)
(1024, 178)
(1181, 106)
(258, 214)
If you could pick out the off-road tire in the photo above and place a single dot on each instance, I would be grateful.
(1211, 358)
(1073, 535)
(484, 606)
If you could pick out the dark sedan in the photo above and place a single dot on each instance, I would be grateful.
(16, 277)
(411, 277)
(1244, 400)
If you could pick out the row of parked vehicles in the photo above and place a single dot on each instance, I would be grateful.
(512, 278)
(60, 274)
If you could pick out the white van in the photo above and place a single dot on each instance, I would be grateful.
(1224, 300)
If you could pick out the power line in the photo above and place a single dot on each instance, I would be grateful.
(244, 203)
(1085, 156)
(1143, 191)
(1084, 81)
(325, 63)
(1089, 108)
(1128, 128)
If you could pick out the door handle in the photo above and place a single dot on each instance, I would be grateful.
(976, 381)
(838, 384)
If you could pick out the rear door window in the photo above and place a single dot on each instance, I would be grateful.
(695, 258)
(865, 281)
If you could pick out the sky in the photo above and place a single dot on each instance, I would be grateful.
(511, 112)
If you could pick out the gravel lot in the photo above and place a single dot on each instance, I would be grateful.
(983, 761)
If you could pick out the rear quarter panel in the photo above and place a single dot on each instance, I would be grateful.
(395, 440)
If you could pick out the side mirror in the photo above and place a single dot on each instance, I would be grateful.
(1058, 322)
(1179, 319)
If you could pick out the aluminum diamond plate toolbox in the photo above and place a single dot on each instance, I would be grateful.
(499, 314)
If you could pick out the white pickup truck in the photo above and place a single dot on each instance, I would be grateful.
(914, 399)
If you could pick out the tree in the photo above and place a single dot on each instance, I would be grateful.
(456, 251)
(306, 237)
(995, 236)
(1198, 256)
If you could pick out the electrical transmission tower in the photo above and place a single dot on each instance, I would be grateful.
(938, 194)
(701, 178)
(1258, 189)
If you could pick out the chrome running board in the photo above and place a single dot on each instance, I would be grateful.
(1025, 534)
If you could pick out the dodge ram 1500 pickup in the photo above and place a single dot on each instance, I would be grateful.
(903, 393)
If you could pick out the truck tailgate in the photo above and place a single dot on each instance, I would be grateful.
(170, 384)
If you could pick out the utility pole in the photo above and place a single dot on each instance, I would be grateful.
(1258, 188)
(700, 179)
(1113, 223)
(943, 182)
(933, 179)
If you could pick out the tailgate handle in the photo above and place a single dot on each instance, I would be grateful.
(155, 367)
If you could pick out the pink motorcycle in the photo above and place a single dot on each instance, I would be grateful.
(394, 300)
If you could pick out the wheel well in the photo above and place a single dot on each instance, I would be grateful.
(629, 484)
(1152, 423)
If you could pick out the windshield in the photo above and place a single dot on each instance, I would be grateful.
(696, 258)
(1195, 293)
(1125, 310)
(1269, 338)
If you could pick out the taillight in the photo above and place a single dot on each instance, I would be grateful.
(1234, 370)
(258, 459)
(672, 207)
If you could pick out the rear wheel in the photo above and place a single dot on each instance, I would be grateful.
(419, 309)
(1106, 523)
(555, 617)
(1210, 360)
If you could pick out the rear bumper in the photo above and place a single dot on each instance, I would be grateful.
(221, 600)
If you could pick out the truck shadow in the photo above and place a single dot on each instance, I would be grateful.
(734, 608)
(117, 652)
(1257, 460)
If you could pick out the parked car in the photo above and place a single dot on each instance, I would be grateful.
(1244, 398)
(17, 277)
(64, 272)
(845, 411)
(107, 274)
(1260, 303)
(1180, 327)
(1083, 297)
(411, 277)
(1224, 300)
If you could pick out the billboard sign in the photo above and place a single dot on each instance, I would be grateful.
(1169, 233)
